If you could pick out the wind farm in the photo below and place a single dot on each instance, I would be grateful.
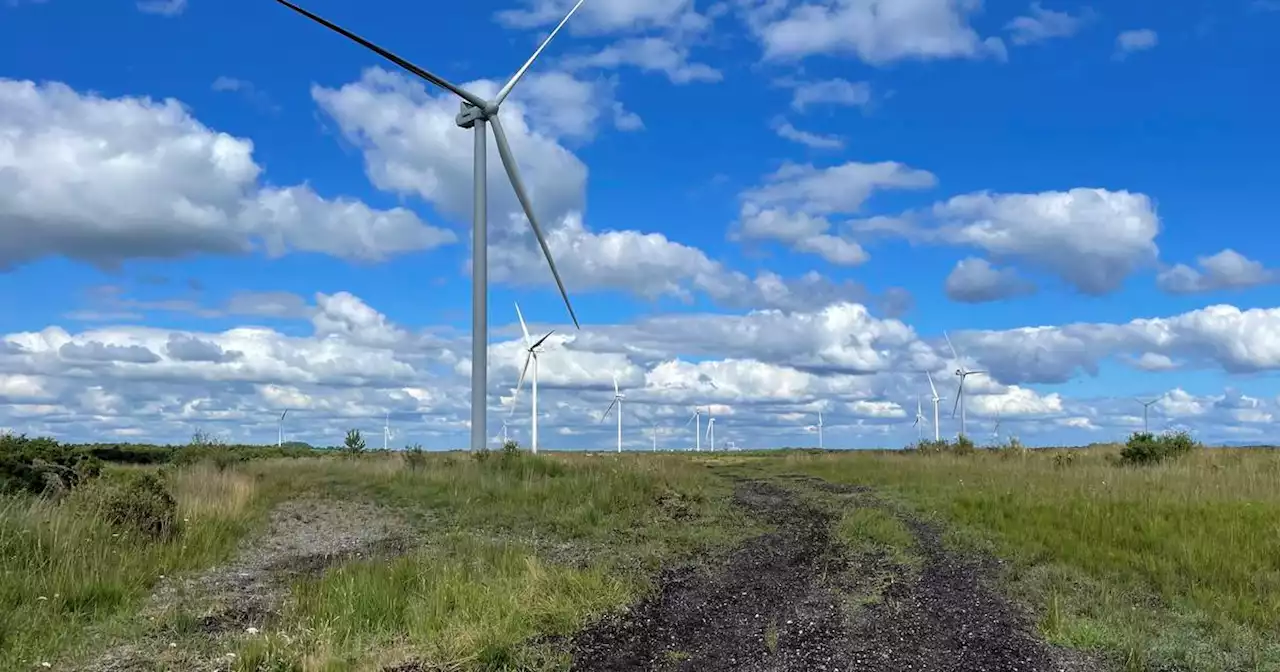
(659, 305)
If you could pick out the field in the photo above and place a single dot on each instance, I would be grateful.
(795, 560)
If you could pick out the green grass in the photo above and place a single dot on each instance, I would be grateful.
(866, 530)
(1175, 565)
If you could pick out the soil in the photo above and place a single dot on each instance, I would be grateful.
(778, 602)
(303, 538)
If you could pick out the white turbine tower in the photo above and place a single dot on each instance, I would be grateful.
(963, 373)
(617, 401)
(530, 354)
(655, 437)
(696, 418)
(937, 433)
(1146, 405)
(820, 430)
(919, 419)
(475, 114)
(280, 429)
(711, 432)
(386, 430)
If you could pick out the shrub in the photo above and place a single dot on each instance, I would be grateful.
(415, 456)
(963, 446)
(354, 443)
(930, 447)
(1063, 460)
(511, 447)
(1146, 448)
(141, 503)
(43, 466)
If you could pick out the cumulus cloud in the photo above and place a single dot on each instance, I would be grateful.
(836, 92)
(975, 280)
(876, 33)
(793, 204)
(648, 54)
(784, 129)
(1131, 41)
(1227, 269)
(109, 179)
(1044, 24)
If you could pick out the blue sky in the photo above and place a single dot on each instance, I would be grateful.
(871, 178)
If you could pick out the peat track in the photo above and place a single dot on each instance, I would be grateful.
(775, 605)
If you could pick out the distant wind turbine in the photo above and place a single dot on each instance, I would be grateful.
(820, 430)
(386, 430)
(655, 437)
(711, 433)
(617, 401)
(937, 433)
(963, 373)
(919, 419)
(696, 418)
(530, 354)
(280, 429)
(1145, 406)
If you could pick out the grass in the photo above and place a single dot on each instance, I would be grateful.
(1175, 566)
(66, 574)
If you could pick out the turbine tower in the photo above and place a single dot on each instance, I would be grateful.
(386, 430)
(919, 418)
(655, 437)
(820, 431)
(530, 354)
(697, 429)
(937, 432)
(962, 373)
(617, 401)
(1146, 405)
(475, 114)
(711, 433)
(280, 429)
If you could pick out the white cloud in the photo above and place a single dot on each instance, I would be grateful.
(836, 91)
(649, 54)
(1044, 24)
(1135, 40)
(975, 280)
(104, 180)
(162, 7)
(876, 32)
(1227, 269)
(602, 16)
(793, 203)
(785, 130)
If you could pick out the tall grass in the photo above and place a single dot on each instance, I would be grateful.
(1177, 563)
(64, 570)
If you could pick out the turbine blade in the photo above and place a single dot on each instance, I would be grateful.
(523, 327)
(615, 385)
(953, 348)
(931, 387)
(528, 355)
(606, 411)
(513, 172)
(506, 88)
(690, 420)
(540, 340)
(959, 391)
(434, 79)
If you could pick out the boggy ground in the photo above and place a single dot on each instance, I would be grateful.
(788, 600)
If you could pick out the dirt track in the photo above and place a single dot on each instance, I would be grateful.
(776, 604)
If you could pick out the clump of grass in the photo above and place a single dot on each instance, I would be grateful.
(875, 530)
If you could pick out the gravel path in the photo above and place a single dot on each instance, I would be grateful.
(774, 606)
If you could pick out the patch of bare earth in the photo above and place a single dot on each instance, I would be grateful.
(778, 603)
(194, 619)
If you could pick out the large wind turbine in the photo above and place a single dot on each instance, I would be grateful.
(711, 433)
(697, 429)
(617, 401)
(386, 430)
(475, 112)
(820, 430)
(280, 429)
(1145, 406)
(937, 432)
(530, 354)
(962, 373)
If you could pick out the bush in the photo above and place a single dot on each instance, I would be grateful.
(931, 447)
(1144, 448)
(43, 466)
(354, 443)
(964, 446)
(141, 503)
(415, 456)
(1063, 460)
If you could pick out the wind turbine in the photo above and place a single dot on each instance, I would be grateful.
(937, 432)
(655, 437)
(962, 373)
(697, 429)
(617, 401)
(280, 429)
(530, 354)
(475, 112)
(1145, 406)
(996, 432)
(820, 430)
(386, 430)
(919, 417)
(711, 432)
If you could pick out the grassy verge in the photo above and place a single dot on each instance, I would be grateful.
(67, 576)
(1169, 567)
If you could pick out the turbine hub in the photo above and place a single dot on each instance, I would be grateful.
(469, 114)
(960, 373)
